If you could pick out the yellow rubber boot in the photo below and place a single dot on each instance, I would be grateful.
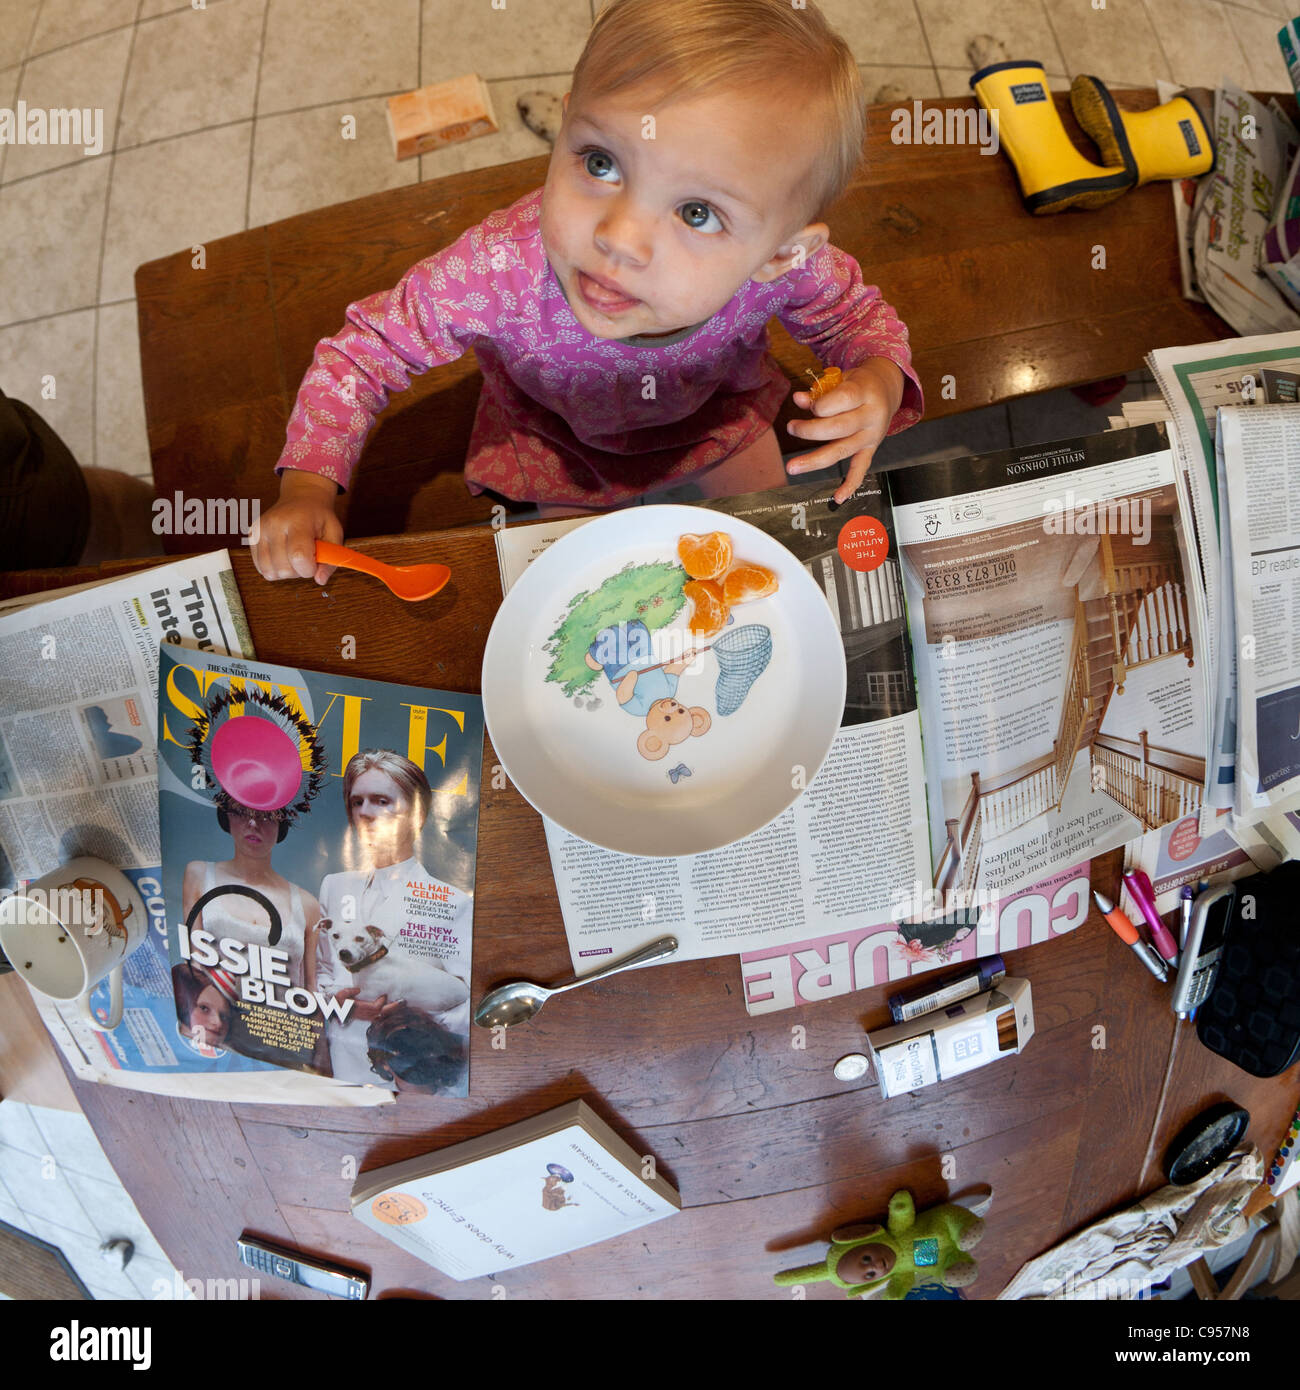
(1053, 174)
(1172, 141)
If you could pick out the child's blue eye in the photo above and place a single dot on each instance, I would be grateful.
(694, 207)
(596, 162)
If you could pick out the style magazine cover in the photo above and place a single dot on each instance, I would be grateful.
(318, 844)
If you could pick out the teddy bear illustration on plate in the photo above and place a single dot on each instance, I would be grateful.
(609, 631)
(625, 653)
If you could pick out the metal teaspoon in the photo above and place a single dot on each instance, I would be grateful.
(518, 1002)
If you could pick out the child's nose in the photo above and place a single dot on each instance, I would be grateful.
(623, 236)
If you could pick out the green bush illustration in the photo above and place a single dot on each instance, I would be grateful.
(652, 593)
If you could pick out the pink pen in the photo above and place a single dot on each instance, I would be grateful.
(1139, 886)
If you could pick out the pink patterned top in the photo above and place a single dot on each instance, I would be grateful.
(562, 416)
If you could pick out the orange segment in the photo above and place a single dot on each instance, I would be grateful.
(828, 381)
(746, 582)
(709, 613)
(705, 557)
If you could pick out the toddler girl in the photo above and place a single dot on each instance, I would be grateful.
(618, 313)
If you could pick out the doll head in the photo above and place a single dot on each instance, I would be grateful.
(701, 141)
(864, 1264)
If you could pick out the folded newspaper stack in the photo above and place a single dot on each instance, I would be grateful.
(1232, 408)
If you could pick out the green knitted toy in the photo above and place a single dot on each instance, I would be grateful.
(870, 1261)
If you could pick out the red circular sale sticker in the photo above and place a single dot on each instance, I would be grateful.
(1184, 839)
(863, 543)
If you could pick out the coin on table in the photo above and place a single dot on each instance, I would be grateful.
(851, 1067)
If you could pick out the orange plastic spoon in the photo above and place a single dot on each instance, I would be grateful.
(411, 582)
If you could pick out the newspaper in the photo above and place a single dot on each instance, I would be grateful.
(79, 775)
(1056, 640)
(1261, 455)
(1234, 206)
(78, 702)
(1195, 381)
(1198, 379)
(1222, 784)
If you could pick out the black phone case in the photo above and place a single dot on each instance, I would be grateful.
(1252, 1015)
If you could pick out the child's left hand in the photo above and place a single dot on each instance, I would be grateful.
(855, 416)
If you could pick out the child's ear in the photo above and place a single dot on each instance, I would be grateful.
(794, 252)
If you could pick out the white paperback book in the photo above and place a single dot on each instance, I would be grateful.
(543, 1187)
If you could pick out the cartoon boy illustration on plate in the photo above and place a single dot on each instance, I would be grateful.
(647, 689)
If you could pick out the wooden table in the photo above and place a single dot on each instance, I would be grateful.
(743, 1114)
(1004, 303)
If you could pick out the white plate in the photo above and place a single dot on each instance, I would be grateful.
(587, 768)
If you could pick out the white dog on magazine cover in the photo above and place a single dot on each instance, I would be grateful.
(367, 959)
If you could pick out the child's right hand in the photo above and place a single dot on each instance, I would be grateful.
(284, 543)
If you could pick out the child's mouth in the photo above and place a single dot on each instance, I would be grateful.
(605, 300)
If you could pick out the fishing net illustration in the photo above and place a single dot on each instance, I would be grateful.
(742, 657)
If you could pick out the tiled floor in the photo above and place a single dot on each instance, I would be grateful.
(56, 1183)
(232, 115)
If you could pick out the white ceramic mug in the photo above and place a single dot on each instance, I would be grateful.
(69, 930)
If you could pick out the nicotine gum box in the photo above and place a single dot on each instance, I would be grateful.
(440, 115)
(954, 1040)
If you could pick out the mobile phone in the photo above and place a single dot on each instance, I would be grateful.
(283, 1263)
(1211, 913)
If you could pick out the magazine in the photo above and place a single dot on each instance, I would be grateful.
(1033, 617)
(1055, 630)
(318, 837)
(1234, 205)
(804, 972)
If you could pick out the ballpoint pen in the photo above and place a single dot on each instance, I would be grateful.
(1139, 885)
(1128, 934)
(1185, 899)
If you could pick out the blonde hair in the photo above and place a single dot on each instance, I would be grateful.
(691, 47)
(401, 770)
